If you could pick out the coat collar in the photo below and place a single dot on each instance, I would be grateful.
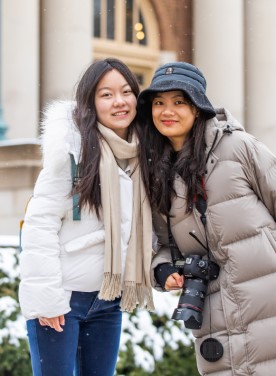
(216, 128)
(220, 125)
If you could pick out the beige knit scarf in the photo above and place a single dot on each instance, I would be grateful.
(136, 288)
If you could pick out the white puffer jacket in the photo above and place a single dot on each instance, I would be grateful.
(61, 255)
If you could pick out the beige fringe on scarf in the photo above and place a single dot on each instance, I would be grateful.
(136, 289)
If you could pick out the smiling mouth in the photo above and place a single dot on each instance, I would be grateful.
(168, 122)
(122, 113)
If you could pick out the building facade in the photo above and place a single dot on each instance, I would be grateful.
(47, 44)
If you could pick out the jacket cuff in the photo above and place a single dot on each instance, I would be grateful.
(162, 272)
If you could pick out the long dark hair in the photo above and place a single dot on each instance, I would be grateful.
(159, 164)
(85, 118)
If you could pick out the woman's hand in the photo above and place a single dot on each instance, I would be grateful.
(174, 282)
(53, 322)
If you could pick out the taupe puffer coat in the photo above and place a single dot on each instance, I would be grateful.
(241, 187)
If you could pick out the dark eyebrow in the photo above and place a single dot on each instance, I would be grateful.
(175, 96)
(109, 88)
(179, 95)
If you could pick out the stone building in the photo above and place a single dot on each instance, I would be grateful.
(47, 44)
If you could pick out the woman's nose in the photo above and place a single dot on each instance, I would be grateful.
(119, 101)
(168, 111)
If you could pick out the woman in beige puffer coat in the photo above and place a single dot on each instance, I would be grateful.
(197, 153)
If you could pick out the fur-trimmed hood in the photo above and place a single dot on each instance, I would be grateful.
(59, 135)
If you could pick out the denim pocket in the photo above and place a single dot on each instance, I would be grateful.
(106, 305)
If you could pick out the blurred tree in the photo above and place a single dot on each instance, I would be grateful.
(14, 351)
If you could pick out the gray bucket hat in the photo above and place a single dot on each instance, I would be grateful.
(177, 76)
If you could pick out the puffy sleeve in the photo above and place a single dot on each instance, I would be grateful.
(263, 165)
(163, 253)
(40, 291)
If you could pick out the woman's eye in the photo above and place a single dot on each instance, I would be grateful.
(157, 103)
(184, 101)
(106, 95)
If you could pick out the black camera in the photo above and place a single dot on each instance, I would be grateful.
(197, 273)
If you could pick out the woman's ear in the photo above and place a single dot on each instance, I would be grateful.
(196, 111)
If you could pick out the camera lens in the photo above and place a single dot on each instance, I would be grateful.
(191, 302)
(197, 273)
(202, 264)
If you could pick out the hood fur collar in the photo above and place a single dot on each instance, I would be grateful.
(59, 135)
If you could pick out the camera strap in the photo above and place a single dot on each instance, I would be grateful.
(176, 255)
(201, 206)
(200, 201)
(211, 349)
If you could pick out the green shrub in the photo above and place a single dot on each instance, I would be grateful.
(14, 351)
(151, 343)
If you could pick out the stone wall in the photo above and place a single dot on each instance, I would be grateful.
(20, 164)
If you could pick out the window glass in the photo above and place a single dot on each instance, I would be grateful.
(142, 34)
(107, 19)
(129, 20)
(110, 19)
(97, 18)
(140, 78)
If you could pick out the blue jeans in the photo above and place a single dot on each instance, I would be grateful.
(88, 345)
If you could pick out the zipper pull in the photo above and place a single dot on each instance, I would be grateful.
(228, 130)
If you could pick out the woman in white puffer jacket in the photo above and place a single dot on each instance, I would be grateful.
(86, 246)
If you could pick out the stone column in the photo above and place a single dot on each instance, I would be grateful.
(218, 51)
(20, 69)
(66, 46)
(260, 50)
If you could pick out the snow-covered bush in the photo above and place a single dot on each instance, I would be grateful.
(151, 343)
(14, 352)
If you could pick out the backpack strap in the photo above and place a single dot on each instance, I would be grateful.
(76, 196)
(21, 223)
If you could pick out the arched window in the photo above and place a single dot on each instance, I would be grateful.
(104, 19)
(127, 30)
